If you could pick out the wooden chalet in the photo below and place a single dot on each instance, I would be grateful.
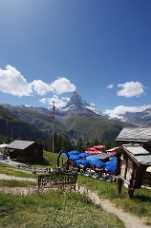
(135, 157)
(25, 151)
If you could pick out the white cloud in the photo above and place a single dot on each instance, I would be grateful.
(40, 87)
(27, 105)
(110, 86)
(60, 102)
(120, 110)
(14, 83)
(59, 86)
(62, 85)
(130, 89)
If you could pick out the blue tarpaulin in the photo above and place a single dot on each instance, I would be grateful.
(73, 155)
(93, 157)
(111, 165)
(81, 162)
(83, 155)
(73, 152)
(94, 161)
(76, 155)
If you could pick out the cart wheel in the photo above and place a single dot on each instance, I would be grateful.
(130, 192)
(120, 185)
(62, 161)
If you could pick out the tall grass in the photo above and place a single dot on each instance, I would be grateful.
(9, 170)
(53, 210)
(16, 183)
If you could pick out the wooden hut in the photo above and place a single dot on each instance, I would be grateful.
(25, 151)
(135, 135)
(135, 157)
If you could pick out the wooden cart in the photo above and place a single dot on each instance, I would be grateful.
(133, 164)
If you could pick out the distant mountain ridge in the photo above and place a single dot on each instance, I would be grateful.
(76, 120)
(140, 119)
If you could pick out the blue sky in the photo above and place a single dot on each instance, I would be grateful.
(89, 43)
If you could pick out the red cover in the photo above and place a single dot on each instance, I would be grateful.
(99, 147)
(93, 152)
(94, 148)
(91, 149)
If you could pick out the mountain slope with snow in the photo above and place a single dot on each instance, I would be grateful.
(76, 105)
(76, 120)
(142, 118)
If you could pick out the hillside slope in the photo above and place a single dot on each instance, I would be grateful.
(92, 128)
(11, 128)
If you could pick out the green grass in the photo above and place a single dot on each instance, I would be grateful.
(9, 170)
(15, 183)
(139, 205)
(50, 160)
(53, 210)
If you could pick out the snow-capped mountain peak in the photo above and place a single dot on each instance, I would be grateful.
(77, 105)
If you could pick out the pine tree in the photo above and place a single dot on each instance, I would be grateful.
(80, 144)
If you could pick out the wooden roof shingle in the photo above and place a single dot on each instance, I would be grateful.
(138, 153)
(134, 135)
(20, 144)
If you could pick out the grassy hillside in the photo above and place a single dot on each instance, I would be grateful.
(53, 209)
(12, 171)
(139, 205)
(25, 209)
(38, 117)
(91, 128)
(12, 128)
(16, 183)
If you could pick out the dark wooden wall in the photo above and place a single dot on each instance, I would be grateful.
(34, 153)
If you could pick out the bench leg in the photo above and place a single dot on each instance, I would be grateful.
(120, 185)
(131, 192)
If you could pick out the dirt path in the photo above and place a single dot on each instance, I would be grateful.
(129, 220)
(8, 177)
(18, 190)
